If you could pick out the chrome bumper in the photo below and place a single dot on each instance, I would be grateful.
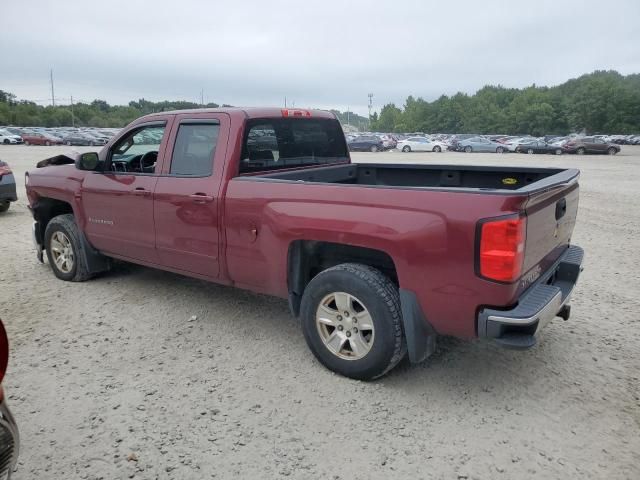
(546, 299)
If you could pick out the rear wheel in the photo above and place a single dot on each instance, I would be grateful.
(468, 149)
(351, 320)
(374, 148)
(6, 141)
(612, 151)
(47, 143)
(406, 149)
(4, 206)
(68, 143)
(530, 151)
(581, 151)
(26, 142)
(558, 151)
(500, 150)
(437, 148)
(64, 246)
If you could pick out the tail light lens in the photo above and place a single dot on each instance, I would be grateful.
(4, 168)
(501, 251)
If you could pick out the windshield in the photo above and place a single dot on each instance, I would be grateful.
(272, 144)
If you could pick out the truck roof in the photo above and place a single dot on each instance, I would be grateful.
(248, 112)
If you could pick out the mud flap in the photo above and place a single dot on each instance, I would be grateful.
(418, 332)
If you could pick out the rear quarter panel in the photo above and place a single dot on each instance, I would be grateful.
(430, 235)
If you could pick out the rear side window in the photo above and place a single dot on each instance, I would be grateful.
(194, 149)
(273, 144)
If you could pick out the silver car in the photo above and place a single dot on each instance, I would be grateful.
(480, 144)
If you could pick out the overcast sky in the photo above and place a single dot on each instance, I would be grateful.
(325, 53)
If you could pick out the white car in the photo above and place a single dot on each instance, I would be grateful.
(420, 144)
(6, 137)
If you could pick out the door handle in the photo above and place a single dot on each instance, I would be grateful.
(201, 198)
(141, 191)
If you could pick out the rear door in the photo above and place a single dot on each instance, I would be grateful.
(187, 204)
(118, 202)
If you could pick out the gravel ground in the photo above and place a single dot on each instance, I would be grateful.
(146, 374)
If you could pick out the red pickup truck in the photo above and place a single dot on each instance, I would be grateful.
(376, 260)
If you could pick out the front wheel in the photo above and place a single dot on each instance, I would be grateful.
(530, 151)
(612, 151)
(500, 150)
(26, 142)
(406, 149)
(4, 206)
(374, 148)
(47, 143)
(64, 246)
(468, 149)
(581, 151)
(558, 151)
(6, 141)
(437, 149)
(351, 320)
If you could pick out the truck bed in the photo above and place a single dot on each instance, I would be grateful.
(448, 177)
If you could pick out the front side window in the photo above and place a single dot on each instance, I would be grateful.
(137, 151)
(194, 149)
(273, 144)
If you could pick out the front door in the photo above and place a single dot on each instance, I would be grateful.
(187, 202)
(118, 202)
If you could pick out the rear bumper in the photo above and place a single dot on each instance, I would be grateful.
(8, 188)
(9, 441)
(547, 298)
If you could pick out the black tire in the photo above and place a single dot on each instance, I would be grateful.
(581, 151)
(92, 144)
(4, 206)
(500, 150)
(437, 149)
(68, 143)
(374, 148)
(468, 149)
(380, 297)
(47, 143)
(530, 151)
(612, 151)
(67, 225)
(558, 151)
(26, 142)
(406, 149)
(6, 141)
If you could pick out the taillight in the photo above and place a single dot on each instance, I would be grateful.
(288, 112)
(4, 168)
(502, 248)
(4, 351)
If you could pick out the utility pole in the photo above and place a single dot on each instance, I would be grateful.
(53, 98)
(285, 102)
(370, 104)
(73, 118)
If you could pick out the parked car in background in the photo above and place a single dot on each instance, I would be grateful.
(480, 144)
(595, 145)
(7, 188)
(366, 143)
(420, 144)
(37, 138)
(7, 138)
(9, 436)
(79, 139)
(538, 146)
(388, 142)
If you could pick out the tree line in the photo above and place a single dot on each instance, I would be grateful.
(599, 102)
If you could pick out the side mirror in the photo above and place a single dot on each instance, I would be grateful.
(87, 161)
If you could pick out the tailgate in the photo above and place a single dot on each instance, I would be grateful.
(551, 216)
